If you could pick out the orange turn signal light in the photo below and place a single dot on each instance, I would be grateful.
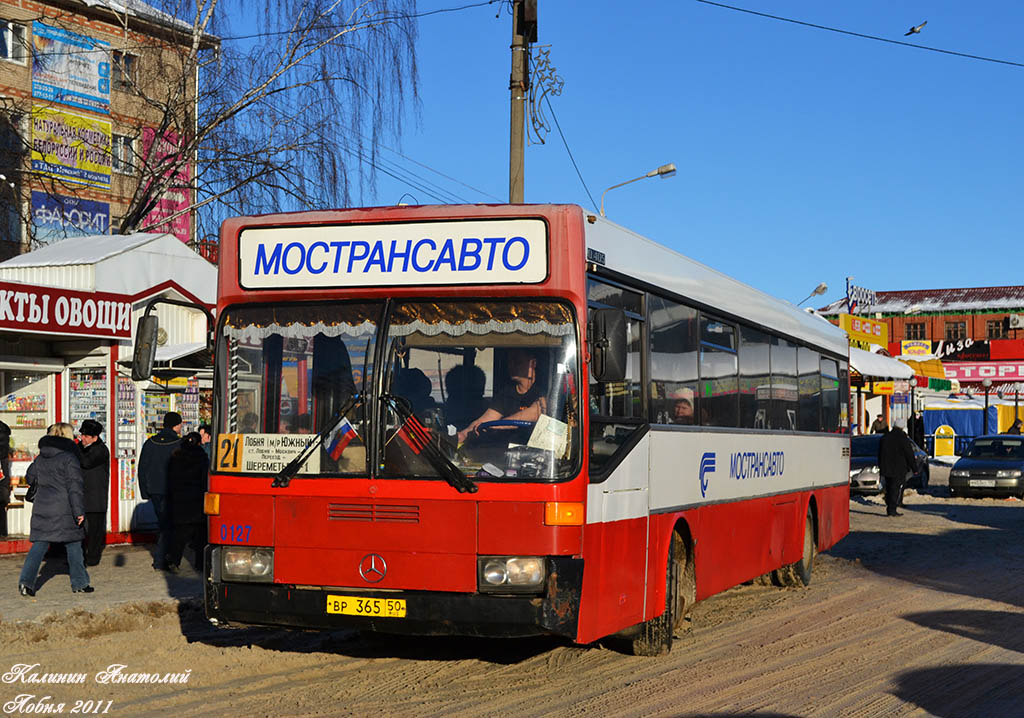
(563, 513)
(211, 504)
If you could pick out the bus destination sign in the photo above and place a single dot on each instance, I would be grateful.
(478, 252)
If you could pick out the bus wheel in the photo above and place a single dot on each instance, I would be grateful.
(655, 636)
(798, 574)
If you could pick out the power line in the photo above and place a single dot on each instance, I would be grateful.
(862, 35)
(437, 172)
(573, 159)
(382, 18)
(277, 33)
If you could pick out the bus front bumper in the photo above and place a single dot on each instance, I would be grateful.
(428, 613)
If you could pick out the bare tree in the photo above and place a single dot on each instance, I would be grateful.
(270, 111)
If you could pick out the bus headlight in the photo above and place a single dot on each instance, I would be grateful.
(960, 473)
(504, 574)
(247, 564)
(1008, 474)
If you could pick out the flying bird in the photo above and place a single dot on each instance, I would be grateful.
(915, 30)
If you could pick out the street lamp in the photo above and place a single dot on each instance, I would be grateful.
(820, 289)
(985, 383)
(664, 172)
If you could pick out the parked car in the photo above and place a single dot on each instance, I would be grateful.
(864, 475)
(991, 465)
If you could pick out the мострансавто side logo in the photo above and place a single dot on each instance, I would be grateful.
(744, 465)
(707, 465)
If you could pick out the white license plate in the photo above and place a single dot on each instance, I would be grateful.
(982, 483)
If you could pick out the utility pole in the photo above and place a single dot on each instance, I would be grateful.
(524, 31)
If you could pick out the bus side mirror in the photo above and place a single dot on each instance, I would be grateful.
(145, 347)
(608, 345)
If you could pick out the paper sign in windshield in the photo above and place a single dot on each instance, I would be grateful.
(549, 434)
(263, 453)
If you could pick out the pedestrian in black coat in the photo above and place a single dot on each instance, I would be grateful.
(153, 461)
(96, 471)
(5, 475)
(895, 463)
(187, 476)
(58, 509)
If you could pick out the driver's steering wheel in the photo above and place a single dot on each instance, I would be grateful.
(504, 424)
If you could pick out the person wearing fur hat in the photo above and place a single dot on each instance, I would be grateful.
(96, 471)
(153, 461)
(58, 508)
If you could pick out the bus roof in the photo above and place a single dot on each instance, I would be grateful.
(637, 256)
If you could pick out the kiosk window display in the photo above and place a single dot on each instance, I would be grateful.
(24, 407)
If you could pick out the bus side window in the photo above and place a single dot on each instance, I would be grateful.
(673, 331)
(616, 409)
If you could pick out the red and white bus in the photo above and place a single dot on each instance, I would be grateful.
(520, 420)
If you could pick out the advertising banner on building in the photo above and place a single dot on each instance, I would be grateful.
(865, 330)
(70, 68)
(70, 146)
(975, 372)
(30, 308)
(56, 217)
(175, 202)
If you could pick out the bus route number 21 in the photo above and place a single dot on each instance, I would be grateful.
(229, 452)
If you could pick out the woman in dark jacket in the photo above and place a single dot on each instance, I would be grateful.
(58, 509)
(5, 475)
(187, 474)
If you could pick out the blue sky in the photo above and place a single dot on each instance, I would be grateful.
(803, 155)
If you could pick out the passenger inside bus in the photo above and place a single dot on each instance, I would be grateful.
(682, 409)
(414, 386)
(464, 385)
(521, 398)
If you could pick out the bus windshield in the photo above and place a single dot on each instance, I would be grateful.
(491, 385)
(288, 372)
(494, 382)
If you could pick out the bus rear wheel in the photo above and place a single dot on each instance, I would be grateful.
(796, 575)
(655, 636)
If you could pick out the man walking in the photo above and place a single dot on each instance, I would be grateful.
(96, 472)
(153, 461)
(895, 463)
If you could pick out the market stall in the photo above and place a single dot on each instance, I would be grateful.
(67, 313)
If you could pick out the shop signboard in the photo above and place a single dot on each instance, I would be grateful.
(915, 347)
(975, 372)
(50, 310)
(963, 350)
(70, 146)
(865, 330)
(175, 201)
(69, 68)
(882, 387)
(56, 217)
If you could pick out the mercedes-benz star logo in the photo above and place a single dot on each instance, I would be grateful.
(373, 568)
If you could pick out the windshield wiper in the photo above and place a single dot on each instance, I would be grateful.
(419, 440)
(285, 475)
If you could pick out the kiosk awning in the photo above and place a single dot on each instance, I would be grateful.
(878, 366)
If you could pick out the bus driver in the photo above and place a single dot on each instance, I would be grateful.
(521, 398)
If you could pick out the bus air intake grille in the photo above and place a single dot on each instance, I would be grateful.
(373, 512)
(846, 451)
